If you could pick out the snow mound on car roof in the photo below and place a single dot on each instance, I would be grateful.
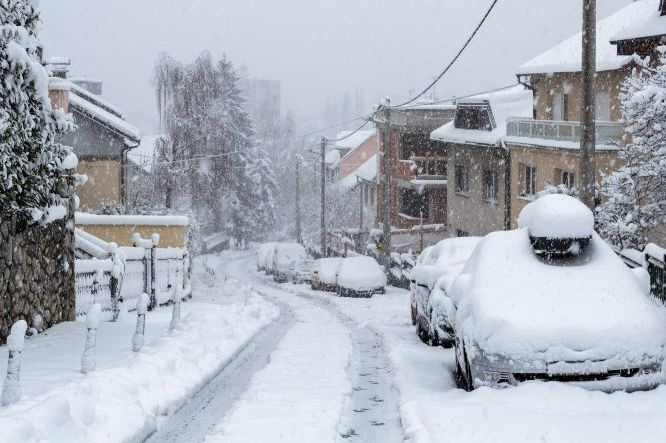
(445, 258)
(513, 302)
(557, 216)
(361, 273)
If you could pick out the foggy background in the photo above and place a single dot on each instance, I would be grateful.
(318, 49)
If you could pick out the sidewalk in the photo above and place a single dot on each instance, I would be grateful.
(124, 398)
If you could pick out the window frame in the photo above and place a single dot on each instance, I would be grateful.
(465, 175)
(493, 186)
(530, 175)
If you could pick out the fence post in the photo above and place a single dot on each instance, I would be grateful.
(88, 363)
(116, 281)
(175, 314)
(141, 309)
(155, 239)
(11, 388)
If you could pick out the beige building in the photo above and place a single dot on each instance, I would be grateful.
(102, 137)
(478, 191)
(545, 149)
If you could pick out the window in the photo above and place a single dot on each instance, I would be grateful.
(414, 204)
(530, 180)
(490, 186)
(461, 233)
(603, 106)
(473, 117)
(462, 179)
(568, 179)
(560, 106)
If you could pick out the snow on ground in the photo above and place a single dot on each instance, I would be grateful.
(434, 410)
(129, 391)
(300, 394)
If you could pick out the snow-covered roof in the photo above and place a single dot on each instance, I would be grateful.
(332, 157)
(567, 56)
(145, 154)
(83, 218)
(645, 21)
(367, 171)
(511, 102)
(353, 141)
(112, 121)
(96, 99)
(430, 104)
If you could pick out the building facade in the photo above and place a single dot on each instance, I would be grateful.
(418, 173)
(101, 140)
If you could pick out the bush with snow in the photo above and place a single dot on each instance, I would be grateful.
(636, 192)
(31, 170)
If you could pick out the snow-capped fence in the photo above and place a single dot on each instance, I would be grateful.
(119, 275)
(655, 258)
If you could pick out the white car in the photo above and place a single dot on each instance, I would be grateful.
(325, 274)
(551, 301)
(431, 279)
(264, 251)
(360, 276)
(286, 257)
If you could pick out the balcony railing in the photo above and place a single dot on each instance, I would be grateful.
(429, 167)
(607, 133)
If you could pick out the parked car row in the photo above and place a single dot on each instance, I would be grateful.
(358, 276)
(549, 301)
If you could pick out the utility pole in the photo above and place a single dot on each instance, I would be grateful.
(386, 148)
(587, 133)
(323, 198)
(299, 237)
(360, 213)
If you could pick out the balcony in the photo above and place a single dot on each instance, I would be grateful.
(430, 167)
(607, 133)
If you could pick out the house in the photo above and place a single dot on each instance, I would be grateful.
(358, 169)
(102, 137)
(418, 173)
(479, 171)
(545, 149)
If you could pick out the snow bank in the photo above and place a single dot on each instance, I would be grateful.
(557, 216)
(361, 273)
(124, 398)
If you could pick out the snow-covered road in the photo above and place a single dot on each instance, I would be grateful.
(314, 375)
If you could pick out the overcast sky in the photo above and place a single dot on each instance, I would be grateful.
(317, 48)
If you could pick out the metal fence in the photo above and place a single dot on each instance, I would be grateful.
(655, 258)
(119, 287)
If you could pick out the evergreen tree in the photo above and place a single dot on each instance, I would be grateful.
(30, 157)
(636, 193)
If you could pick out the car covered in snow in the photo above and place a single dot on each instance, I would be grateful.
(551, 301)
(286, 257)
(265, 250)
(360, 276)
(431, 278)
(300, 272)
(325, 274)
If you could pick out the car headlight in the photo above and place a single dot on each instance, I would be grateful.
(496, 377)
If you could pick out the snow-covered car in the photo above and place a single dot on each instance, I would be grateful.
(263, 253)
(360, 276)
(431, 279)
(551, 301)
(286, 256)
(300, 272)
(325, 274)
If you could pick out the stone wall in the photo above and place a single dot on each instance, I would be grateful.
(36, 273)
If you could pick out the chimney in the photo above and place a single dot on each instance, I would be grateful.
(59, 94)
(59, 66)
(662, 7)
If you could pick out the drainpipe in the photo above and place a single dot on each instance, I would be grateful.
(123, 173)
(507, 187)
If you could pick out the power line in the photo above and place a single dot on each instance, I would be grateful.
(469, 40)
(453, 99)
(351, 133)
(319, 131)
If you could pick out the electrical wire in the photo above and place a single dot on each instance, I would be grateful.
(460, 52)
